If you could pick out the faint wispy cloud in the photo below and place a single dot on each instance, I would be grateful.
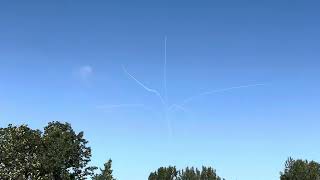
(83, 73)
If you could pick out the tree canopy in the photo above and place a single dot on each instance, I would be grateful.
(57, 153)
(106, 173)
(168, 173)
(171, 173)
(300, 170)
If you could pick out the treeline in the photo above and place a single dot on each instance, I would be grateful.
(59, 153)
(171, 173)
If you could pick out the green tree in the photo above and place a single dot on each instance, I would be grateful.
(20, 152)
(66, 152)
(106, 173)
(207, 173)
(57, 154)
(300, 170)
(170, 173)
(164, 173)
(189, 174)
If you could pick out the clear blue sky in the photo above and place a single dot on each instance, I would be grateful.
(61, 60)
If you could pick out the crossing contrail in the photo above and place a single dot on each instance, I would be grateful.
(177, 106)
(164, 99)
(145, 87)
(110, 106)
(187, 100)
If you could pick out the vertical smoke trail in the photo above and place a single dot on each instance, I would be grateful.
(165, 69)
(169, 123)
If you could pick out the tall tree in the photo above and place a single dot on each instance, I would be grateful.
(106, 173)
(300, 170)
(66, 152)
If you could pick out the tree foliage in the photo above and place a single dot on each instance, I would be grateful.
(207, 173)
(58, 153)
(170, 173)
(167, 173)
(20, 153)
(300, 170)
(106, 173)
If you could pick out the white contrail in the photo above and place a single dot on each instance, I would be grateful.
(165, 70)
(177, 106)
(111, 106)
(187, 100)
(145, 87)
(164, 99)
(169, 123)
